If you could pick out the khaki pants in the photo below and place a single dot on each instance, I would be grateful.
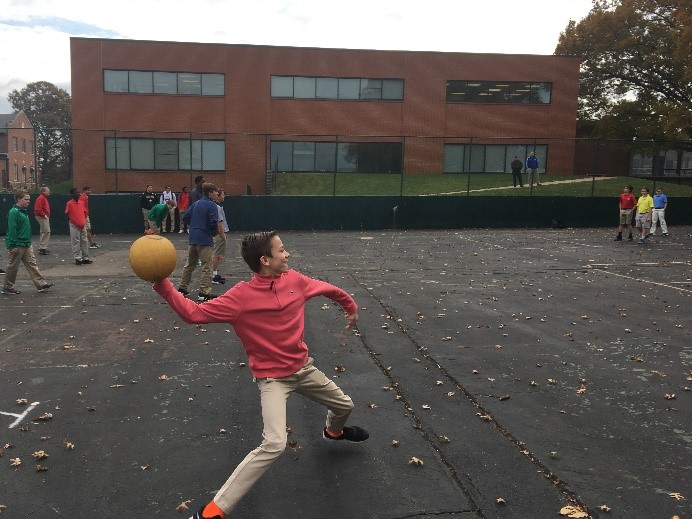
(309, 382)
(203, 254)
(79, 242)
(44, 232)
(23, 255)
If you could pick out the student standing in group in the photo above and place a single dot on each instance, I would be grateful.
(183, 204)
(201, 217)
(659, 214)
(146, 202)
(626, 203)
(267, 314)
(86, 191)
(42, 215)
(18, 243)
(169, 225)
(645, 206)
(76, 214)
(197, 192)
(220, 239)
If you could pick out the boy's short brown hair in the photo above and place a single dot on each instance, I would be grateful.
(255, 246)
(208, 188)
(19, 194)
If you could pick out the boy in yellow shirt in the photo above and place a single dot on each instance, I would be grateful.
(645, 208)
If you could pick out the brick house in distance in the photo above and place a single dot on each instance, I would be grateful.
(161, 113)
(17, 152)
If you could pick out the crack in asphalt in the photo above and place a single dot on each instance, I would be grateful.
(418, 423)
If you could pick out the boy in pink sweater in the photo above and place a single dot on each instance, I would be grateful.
(267, 314)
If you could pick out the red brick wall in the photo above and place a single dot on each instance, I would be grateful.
(247, 107)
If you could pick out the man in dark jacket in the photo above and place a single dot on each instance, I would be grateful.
(516, 166)
(146, 202)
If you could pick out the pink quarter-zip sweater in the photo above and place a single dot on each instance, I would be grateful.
(267, 314)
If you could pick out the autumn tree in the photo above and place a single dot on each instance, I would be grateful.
(636, 70)
(49, 110)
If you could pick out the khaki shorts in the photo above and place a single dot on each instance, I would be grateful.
(626, 216)
(643, 220)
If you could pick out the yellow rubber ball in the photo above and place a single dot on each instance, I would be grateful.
(153, 257)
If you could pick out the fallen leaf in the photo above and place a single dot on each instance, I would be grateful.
(573, 511)
(163, 377)
(15, 462)
(415, 461)
(45, 417)
(339, 368)
(22, 401)
(676, 495)
(501, 501)
(40, 455)
(183, 506)
(395, 443)
(604, 508)
(41, 468)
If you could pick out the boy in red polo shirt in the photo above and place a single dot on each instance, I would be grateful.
(627, 203)
(76, 214)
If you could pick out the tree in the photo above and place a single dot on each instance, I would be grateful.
(49, 110)
(636, 71)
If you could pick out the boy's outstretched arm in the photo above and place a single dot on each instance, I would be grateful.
(219, 310)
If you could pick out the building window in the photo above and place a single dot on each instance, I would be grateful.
(15, 144)
(31, 147)
(299, 87)
(23, 145)
(360, 157)
(498, 92)
(149, 82)
(16, 172)
(165, 154)
(489, 158)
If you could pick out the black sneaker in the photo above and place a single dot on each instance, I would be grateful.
(46, 286)
(618, 237)
(184, 291)
(10, 291)
(665, 234)
(79, 262)
(629, 238)
(201, 297)
(43, 252)
(2, 271)
(352, 434)
(87, 261)
(198, 515)
(218, 280)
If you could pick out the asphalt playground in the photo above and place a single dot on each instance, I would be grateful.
(524, 374)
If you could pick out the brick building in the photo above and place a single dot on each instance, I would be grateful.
(163, 112)
(17, 152)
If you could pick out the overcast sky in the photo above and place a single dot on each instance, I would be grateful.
(35, 34)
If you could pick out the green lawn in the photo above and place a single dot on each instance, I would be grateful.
(486, 184)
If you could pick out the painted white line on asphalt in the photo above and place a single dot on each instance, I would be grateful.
(643, 280)
(20, 417)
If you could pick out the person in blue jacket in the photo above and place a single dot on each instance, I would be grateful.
(532, 169)
(201, 219)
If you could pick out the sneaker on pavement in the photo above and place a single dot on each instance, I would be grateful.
(184, 291)
(201, 297)
(180, 231)
(198, 515)
(618, 237)
(2, 271)
(352, 434)
(665, 234)
(94, 246)
(10, 291)
(218, 280)
(87, 261)
(46, 286)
